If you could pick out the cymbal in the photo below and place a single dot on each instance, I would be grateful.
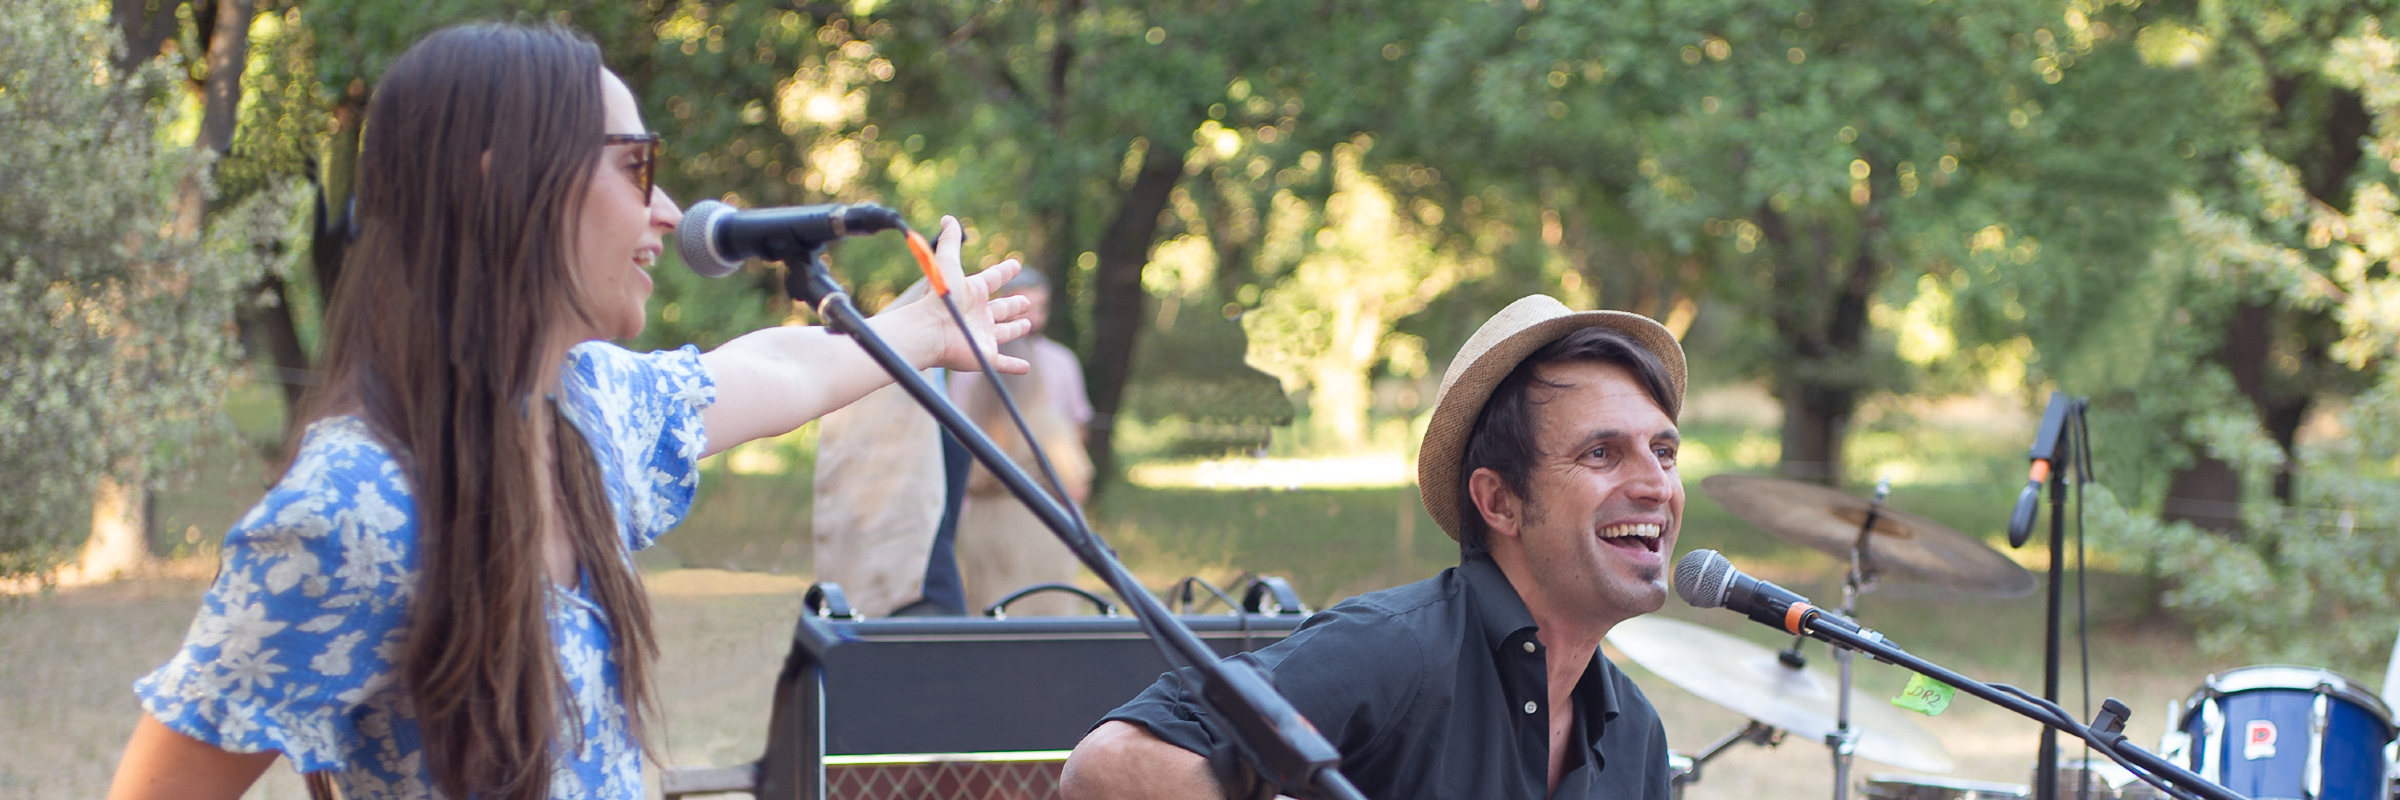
(1905, 546)
(1748, 679)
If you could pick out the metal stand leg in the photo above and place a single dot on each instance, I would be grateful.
(1757, 733)
(1843, 740)
(1861, 577)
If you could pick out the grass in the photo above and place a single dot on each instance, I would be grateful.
(66, 658)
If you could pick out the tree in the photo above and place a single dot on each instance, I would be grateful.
(1065, 128)
(114, 339)
(1797, 165)
(2309, 577)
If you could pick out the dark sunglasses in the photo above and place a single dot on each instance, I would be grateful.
(648, 167)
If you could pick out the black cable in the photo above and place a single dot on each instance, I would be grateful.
(2083, 614)
(2059, 719)
(1057, 487)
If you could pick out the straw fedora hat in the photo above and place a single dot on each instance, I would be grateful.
(1488, 357)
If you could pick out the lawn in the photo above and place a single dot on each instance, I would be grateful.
(726, 586)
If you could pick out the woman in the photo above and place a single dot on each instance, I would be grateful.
(438, 597)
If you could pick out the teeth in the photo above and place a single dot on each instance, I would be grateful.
(1643, 530)
(644, 260)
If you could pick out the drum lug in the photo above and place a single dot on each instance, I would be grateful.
(2312, 776)
(2212, 746)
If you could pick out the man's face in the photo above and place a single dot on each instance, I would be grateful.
(1604, 502)
(1040, 315)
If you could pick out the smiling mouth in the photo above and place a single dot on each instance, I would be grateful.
(1634, 535)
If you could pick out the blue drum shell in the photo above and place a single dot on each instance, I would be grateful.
(2353, 744)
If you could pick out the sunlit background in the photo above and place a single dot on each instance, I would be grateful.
(1885, 232)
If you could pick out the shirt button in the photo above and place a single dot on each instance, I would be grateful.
(1530, 707)
(1529, 647)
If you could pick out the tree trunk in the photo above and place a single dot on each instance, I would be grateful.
(146, 26)
(2208, 493)
(120, 502)
(1815, 421)
(336, 180)
(1822, 374)
(268, 328)
(120, 540)
(1117, 296)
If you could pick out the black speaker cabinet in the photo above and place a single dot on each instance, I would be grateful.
(958, 706)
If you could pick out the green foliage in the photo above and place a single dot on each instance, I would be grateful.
(2311, 580)
(115, 331)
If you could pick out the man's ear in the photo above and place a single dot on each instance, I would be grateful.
(1503, 512)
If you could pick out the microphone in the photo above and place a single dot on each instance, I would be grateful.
(2045, 447)
(1705, 579)
(715, 237)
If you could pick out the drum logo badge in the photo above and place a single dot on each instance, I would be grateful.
(2260, 743)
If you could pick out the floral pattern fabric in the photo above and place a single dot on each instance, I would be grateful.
(295, 644)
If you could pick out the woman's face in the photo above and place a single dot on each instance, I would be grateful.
(619, 232)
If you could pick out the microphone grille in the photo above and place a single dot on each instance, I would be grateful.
(1701, 578)
(695, 240)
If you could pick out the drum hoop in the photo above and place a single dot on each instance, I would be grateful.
(2291, 677)
(1893, 778)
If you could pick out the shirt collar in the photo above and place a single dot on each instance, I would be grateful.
(1498, 609)
(1502, 614)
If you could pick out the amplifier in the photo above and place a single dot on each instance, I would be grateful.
(958, 706)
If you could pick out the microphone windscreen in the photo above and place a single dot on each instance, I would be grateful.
(1701, 578)
(695, 240)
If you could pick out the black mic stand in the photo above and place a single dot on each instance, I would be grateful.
(1273, 737)
(2106, 733)
(2059, 449)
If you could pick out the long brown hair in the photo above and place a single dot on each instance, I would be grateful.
(481, 143)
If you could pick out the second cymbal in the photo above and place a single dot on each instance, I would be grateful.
(1749, 680)
(1904, 546)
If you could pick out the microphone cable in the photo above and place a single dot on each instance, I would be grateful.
(918, 247)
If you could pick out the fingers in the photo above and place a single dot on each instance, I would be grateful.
(945, 248)
(1010, 331)
(1011, 365)
(1007, 309)
(996, 275)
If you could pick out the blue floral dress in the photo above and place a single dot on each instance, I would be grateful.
(294, 645)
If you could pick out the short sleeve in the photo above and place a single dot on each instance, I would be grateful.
(304, 619)
(1330, 669)
(641, 414)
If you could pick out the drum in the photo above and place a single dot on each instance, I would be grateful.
(1918, 787)
(2108, 781)
(2289, 733)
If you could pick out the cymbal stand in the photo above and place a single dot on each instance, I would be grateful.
(1757, 733)
(1860, 578)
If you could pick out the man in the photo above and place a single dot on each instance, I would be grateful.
(1550, 457)
(1002, 547)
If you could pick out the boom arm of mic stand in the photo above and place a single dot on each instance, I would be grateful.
(2111, 742)
(1264, 723)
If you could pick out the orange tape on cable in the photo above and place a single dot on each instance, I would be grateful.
(924, 253)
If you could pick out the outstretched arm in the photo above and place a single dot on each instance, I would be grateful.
(774, 380)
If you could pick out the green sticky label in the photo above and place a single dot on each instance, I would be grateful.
(1925, 696)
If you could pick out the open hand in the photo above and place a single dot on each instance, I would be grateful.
(989, 321)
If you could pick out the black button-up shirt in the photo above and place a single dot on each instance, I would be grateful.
(1439, 689)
